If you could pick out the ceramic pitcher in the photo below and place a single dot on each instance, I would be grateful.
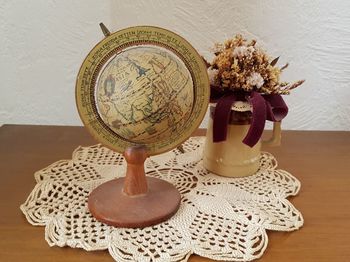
(232, 158)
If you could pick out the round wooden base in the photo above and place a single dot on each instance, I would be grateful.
(109, 204)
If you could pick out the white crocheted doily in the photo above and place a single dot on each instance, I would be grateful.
(219, 218)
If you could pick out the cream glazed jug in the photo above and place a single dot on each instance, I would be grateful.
(232, 158)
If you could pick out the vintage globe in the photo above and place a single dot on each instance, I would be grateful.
(142, 86)
(144, 94)
(140, 91)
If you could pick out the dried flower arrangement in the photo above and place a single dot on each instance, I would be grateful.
(241, 65)
(242, 71)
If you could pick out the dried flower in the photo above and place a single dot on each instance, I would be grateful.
(212, 73)
(255, 80)
(240, 65)
(243, 51)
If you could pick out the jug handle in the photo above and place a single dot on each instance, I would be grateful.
(275, 140)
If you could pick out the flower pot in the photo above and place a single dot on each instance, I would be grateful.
(232, 158)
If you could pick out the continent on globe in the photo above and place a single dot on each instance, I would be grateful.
(144, 94)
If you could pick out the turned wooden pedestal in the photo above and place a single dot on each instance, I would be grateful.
(136, 200)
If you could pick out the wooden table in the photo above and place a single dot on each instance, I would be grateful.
(320, 160)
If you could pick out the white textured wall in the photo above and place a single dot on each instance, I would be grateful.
(42, 44)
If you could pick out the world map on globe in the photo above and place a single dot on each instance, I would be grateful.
(144, 93)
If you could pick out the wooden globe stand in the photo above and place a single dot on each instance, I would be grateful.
(136, 200)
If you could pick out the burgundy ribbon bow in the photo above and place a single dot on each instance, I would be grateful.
(265, 107)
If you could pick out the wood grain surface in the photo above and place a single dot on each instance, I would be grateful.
(320, 160)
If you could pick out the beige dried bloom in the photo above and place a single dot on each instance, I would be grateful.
(243, 51)
(255, 80)
(240, 65)
(212, 73)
